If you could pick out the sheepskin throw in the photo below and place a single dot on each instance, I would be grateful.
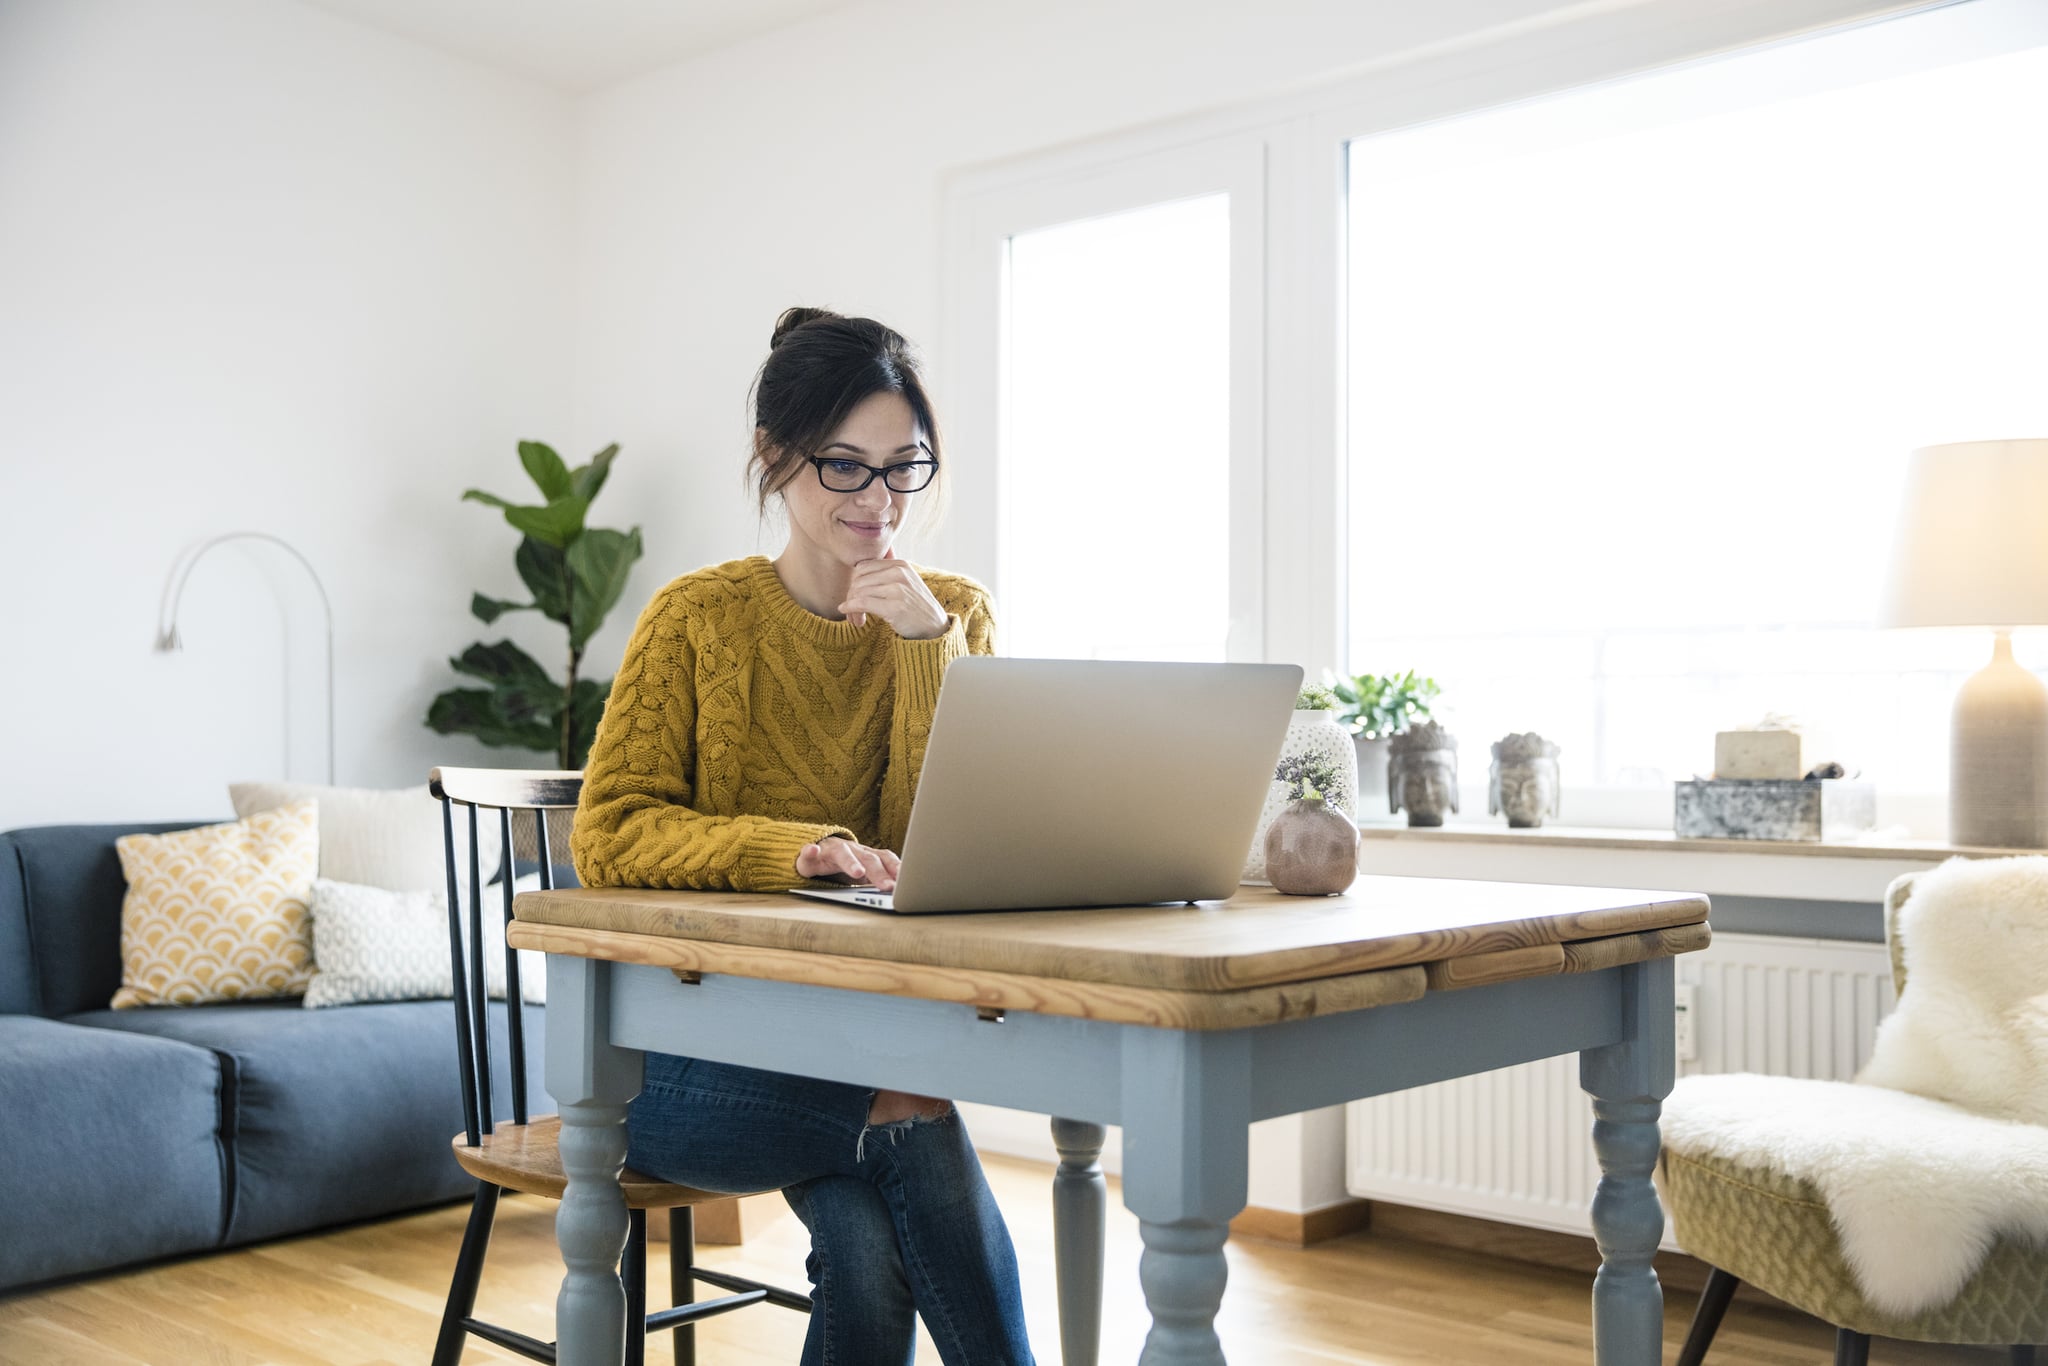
(1940, 1145)
(1917, 1188)
(1972, 1026)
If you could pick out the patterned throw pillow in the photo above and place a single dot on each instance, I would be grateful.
(375, 945)
(219, 913)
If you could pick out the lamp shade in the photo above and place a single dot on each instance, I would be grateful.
(1971, 548)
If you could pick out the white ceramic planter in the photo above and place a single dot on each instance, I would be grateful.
(1314, 737)
(1372, 777)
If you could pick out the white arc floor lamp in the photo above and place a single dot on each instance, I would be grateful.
(1972, 550)
(167, 632)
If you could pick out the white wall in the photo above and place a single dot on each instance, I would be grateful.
(259, 268)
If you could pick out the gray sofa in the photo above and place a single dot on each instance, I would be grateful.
(131, 1135)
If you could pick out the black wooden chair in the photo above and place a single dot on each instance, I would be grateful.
(522, 1154)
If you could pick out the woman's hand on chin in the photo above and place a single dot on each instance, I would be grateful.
(890, 589)
(840, 858)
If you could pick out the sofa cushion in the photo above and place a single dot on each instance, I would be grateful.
(370, 944)
(379, 838)
(336, 1114)
(221, 913)
(17, 963)
(72, 887)
(112, 1151)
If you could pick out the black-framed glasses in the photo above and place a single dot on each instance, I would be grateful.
(851, 476)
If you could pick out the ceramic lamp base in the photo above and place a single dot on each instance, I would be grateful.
(1998, 757)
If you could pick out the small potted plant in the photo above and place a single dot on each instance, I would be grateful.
(1375, 708)
(1311, 847)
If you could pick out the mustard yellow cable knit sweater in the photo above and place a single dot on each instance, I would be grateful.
(742, 727)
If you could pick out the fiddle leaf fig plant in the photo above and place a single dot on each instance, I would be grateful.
(575, 575)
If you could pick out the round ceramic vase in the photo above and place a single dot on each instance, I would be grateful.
(1315, 741)
(1311, 849)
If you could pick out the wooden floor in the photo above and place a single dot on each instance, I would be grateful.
(372, 1294)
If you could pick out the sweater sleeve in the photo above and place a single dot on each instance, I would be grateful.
(637, 824)
(920, 668)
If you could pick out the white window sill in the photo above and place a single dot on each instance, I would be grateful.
(1653, 859)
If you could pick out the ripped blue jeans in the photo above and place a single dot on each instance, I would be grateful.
(901, 1218)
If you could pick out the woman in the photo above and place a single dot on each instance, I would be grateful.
(766, 727)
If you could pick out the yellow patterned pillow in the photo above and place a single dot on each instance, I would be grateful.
(219, 913)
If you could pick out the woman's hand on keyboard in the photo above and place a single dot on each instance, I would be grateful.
(843, 860)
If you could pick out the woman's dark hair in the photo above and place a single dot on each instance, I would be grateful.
(820, 366)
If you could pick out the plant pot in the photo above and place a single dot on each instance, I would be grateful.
(1372, 777)
(1314, 740)
(1311, 849)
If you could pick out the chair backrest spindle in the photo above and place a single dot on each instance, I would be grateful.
(515, 1016)
(479, 983)
(547, 858)
(464, 1055)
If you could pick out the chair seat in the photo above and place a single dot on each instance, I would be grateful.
(1772, 1230)
(528, 1158)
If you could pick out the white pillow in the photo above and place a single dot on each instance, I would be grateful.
(377, 838)
(371, 944)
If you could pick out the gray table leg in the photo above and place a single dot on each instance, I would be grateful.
(591, 1080)
(1080, 1203)
(1628, 1082)
(1187, 1124)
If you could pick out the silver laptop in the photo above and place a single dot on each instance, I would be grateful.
(1053, 782)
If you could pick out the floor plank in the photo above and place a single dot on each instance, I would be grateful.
(371, 1296)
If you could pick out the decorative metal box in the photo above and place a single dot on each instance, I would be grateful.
(1773, 809)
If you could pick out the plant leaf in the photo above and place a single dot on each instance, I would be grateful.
(488, 499)
(480, 712)
(524, 706)
(488, 610)
(585, 713)
(546, 469)
(588, 479)
(599, 562)
(545, 571)
(557, 524)
(505, 665)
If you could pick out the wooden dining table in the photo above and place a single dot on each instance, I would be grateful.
(1184, 1023)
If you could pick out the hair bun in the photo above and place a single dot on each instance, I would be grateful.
(792, 319)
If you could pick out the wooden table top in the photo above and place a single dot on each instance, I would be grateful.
(1258, 957)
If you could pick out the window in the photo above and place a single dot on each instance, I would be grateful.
(1593, 405)
(1105, 344)
(1115, 475)
(1633, 374)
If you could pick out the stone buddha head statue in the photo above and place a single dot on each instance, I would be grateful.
(1524, 780)
(1422, 773)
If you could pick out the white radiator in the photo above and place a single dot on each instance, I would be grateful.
(1516, 1145)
